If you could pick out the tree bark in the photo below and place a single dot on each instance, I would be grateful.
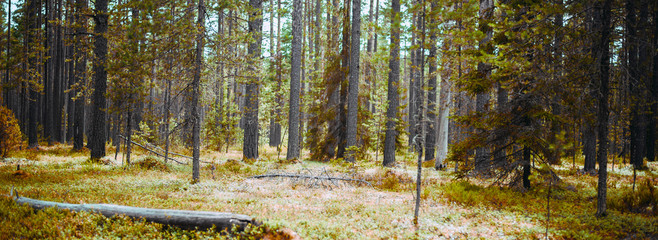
(196, 92)
(80, 76)
(293, 114)
(603, 54)
(250, 146)
(430, 134)
(33, 95)
(98, 113)
(353, 97)
(637, 119)
(393, 81)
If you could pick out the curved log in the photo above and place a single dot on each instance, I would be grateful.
(180, 218)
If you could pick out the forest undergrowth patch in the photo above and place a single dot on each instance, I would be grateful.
(449, 208)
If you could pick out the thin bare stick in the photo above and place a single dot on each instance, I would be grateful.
(299, 176)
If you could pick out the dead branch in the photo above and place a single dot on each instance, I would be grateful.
(310, 177)
(152, 151)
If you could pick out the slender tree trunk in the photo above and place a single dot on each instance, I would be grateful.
(58, 78)
(80, 76)
(353, 97)
(293, 115)
(196, 92)
(653, 121)
(603, 53)
(7, 55)
(430, 137)
(443, 122)
(98, 114)
(48, 75)
(393, 81)
(637, 122)
(33, 95)
(250, 147)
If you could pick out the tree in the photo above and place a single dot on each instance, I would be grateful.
(482, 161)
(392, 93)
(196, 92)
(250, 146)
(353, 100)
(293, 116)
(80, 74)
(10, 133)
(602, 54)
(98, 112)
(430, 138)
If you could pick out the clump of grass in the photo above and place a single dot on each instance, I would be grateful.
(389, 180)
(232, 166)
(643, 200)
(151, 163)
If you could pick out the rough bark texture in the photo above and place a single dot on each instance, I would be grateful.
(443, 121)
(293, 114)
(98, 134)
(179, 218)
(196, 82)
(589, 146)
(602, 52)
(637, 122)
(393, 80)
(33, 96)
(430, 135)
(250, 146)
(353, 97)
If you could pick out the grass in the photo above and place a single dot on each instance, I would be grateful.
(450, 208)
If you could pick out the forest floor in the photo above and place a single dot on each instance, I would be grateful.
(317, 209)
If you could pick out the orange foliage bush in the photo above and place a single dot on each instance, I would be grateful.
(10, 133)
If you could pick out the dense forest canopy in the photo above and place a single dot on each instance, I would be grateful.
(497, 89)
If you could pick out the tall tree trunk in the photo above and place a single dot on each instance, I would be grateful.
(653, 121)
(196, 92)
(80, 76)
(33, 95)
(98, 135)
(445, 99)
(417, 75)
(353, 97)
(250, 146)
(344, 83)
(48, 75)
(430, 137)
(393, 82)
(637, 119)
(7, 51)
(293, 114)
(58, 78)
(602, 52)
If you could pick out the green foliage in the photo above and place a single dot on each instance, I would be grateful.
(10, 132)
(220, 127)
(643, 200)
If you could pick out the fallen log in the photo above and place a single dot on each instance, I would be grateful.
(179, 218)
(299, 176)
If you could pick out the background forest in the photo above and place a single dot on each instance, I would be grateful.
(520, 96)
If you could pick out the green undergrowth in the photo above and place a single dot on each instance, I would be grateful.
(571, 211)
